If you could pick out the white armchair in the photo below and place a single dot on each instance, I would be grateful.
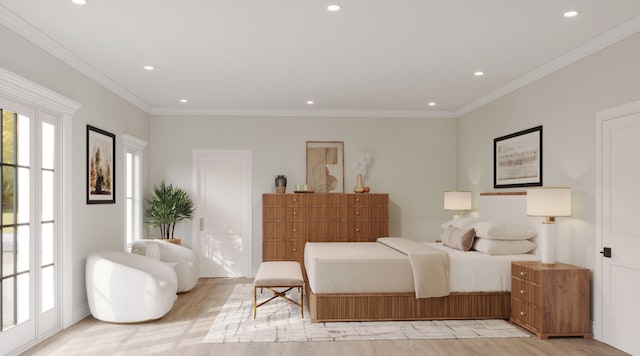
(124, 287)
(186, 262)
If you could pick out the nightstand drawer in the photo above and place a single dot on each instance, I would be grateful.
(525, 313)
(525, 291)
(525, 273)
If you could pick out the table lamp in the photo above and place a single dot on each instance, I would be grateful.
(548, 202)
(457, 202)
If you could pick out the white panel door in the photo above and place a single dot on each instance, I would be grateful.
(620, 179)
(223, 213)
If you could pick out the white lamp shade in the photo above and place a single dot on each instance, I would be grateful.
(549, 202)
(457, 200)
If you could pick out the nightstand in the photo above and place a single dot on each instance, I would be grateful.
(551, 300)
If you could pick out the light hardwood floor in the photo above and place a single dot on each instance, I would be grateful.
(181, 331)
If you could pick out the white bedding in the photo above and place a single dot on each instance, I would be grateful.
(366, 267)
(474, 271)
(356, 267)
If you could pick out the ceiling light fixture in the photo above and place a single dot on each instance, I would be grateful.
(149, 68)
(478, 73)
(310, 102)
(79, 2)
(432, 104)
(334, 8)
(183, 100)
(571, 13)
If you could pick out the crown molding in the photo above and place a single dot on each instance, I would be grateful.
(16, 24)
(409, 114)
(608, 38)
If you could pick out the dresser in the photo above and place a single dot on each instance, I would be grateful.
(291, 220)
(551, 300)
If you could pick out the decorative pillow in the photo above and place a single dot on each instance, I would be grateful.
(460, 222)
(497, 231)
(503, 247)
(460, 239)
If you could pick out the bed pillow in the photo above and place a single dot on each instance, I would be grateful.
(503, 247)
(499, 231)
(460, 239)
(460, 222)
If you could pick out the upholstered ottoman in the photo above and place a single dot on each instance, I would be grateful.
(279, 274)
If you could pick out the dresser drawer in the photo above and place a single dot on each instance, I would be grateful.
(525, 313)
(525, 291)
(283, 250)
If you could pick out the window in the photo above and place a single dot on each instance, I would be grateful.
(36, 214)
(133, 148)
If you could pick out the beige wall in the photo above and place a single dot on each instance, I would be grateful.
(412, 159)
(565, 103)
(95, 227)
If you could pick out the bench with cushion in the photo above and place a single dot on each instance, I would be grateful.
(279, 274)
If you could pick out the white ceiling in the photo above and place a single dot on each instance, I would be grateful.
(373, 58)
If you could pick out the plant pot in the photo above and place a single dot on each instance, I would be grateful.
(173, 241)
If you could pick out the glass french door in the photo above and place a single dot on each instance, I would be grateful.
(28, 225)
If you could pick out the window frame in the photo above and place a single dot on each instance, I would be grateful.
(133, 183)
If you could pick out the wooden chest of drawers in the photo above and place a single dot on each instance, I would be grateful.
(290, 220)
(551, 300)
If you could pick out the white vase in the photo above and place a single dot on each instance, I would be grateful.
(359, 188)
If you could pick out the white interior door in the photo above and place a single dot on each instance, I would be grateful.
(620, 194)
(223, 235)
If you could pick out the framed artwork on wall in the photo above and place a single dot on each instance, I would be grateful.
(101, 166)
(517, 159)
(325, 166)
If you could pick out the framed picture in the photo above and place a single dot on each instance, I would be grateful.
(325, 166)
(517, 159)
(101, 166)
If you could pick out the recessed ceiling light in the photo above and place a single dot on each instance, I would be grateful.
(79, 2)
(572, 13)
(310, 102)
(478, 73)
(149, 68)
(183, 100)
(432, 104)
(334, 7)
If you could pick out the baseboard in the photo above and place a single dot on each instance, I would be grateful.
(78, 314)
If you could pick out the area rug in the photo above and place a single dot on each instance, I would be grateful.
(280, 321)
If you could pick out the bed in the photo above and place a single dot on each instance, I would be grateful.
(372, 281)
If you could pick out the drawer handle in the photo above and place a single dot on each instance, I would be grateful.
(294, 250)
(294, 213)
(294, 200)
(357, 200)
(294, 230)
(522, 291)
(523, 313)
(357, 230)
(357, 213)
(523, 273)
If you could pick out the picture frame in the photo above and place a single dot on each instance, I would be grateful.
(517, 159)
(325, 166)
(101, 166)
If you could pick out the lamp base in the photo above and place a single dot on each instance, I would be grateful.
(548, 244)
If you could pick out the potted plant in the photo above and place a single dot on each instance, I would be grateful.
(168, 206)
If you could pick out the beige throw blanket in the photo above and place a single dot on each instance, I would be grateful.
(430, 266)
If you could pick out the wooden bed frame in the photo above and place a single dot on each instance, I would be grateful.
(405, 306)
